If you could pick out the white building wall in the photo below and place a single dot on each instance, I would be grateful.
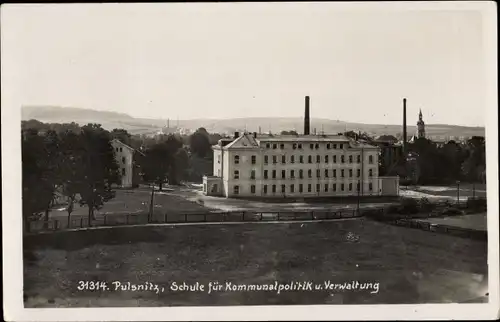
(373, 179)
(217, 166)
(124, 159)
(349, 181)
(244, 168)
(226, 168)
(389, 186)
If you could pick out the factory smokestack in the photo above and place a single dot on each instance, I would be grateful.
(307, 125)
(405, 139)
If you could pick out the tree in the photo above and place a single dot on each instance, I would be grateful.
(214, 138)
(99, 168)
(174, 143)
(156, 164)
(122, 135)
(181, 164)
(71, 164)
(199, 143)
(452, 158)
(51, 160)
(292, 132)
(426, 160)
(351, 134)
(203, 130)
(474, 166)
(38, 186)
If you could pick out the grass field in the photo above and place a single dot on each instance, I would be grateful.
(412, 266)
(466, 190)
(135, 201)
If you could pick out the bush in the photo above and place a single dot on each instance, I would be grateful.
(425, 205)
(392, 209)
(447, 203)
(371, 212)
(476, 203)
(409, 206)
(450, 211)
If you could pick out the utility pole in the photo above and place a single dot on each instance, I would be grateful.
(151, 206)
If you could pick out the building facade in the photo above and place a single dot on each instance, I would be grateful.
(126, 158)
(298, 166)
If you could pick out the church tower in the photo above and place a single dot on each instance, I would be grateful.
(420, 126)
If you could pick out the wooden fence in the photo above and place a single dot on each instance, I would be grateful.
(202, 217)
(440, 228)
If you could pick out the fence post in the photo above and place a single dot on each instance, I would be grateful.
(205, 217)
(127, 219)
(312, 215)
(81, 222)
(105, 220)
(165, 217)
(278, 216)
(185, 217)
(243, 216)
(260, 216)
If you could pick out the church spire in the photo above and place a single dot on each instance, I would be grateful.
(420, 126)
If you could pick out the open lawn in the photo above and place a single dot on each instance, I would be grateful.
(445, 192)
(190, 199)
(135, 201)
(411, 266)
(472, 221)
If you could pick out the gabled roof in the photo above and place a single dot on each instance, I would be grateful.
(244, 141)
(302, 138)
(126, 146)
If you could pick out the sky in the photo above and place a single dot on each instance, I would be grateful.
(196, 60)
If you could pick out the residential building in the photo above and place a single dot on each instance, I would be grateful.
(127, 159)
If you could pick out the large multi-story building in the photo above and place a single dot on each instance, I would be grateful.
(297, 166)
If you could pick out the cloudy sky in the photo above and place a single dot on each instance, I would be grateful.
(244, 60)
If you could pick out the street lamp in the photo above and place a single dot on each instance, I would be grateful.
(458, 192)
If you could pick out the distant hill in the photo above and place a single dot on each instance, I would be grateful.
(111, 120)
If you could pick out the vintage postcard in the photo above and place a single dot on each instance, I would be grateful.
(250, 161)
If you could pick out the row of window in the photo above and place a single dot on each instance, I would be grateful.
(301, 159)
(312, 146)
(301, 173)
(342, 186)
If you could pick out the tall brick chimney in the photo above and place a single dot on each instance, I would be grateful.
(405, 139)
(307, 125)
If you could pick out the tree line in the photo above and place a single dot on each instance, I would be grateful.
(74, 162)
(451, 162)
(435, 164)
(79, 164)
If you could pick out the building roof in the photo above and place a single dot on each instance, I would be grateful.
(302, 138)
(247, 140)
(126, 146)
(386, 138)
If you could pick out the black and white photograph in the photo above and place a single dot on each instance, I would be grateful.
(250, 161)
